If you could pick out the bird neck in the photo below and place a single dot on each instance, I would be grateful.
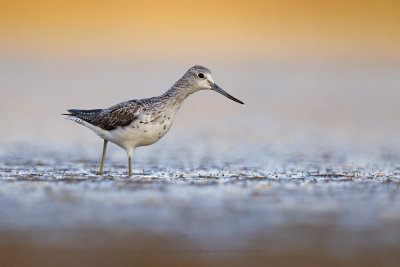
(178, 93)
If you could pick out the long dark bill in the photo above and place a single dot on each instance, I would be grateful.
(222, 92)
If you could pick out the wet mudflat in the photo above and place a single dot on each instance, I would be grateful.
(295, 204)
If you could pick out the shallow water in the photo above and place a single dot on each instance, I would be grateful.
(336, 200)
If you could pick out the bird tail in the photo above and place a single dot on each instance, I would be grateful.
(83, 114)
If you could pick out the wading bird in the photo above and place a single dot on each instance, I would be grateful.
(142, 122)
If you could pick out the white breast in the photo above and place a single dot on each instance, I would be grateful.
(143, 132)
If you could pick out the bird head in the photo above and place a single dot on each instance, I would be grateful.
(199, 78)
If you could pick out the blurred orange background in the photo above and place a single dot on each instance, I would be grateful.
(250, 29)
(300, 66)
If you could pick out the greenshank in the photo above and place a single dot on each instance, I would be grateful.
(142, 122)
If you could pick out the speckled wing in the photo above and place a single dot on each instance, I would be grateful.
(120, 115)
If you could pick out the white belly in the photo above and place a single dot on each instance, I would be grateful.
(139, 134)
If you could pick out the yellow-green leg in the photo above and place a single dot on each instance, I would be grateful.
(104, 156)
(130, 165)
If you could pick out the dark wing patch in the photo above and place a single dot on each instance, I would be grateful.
(111, 118)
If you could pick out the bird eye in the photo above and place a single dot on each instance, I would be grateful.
(201, 75)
